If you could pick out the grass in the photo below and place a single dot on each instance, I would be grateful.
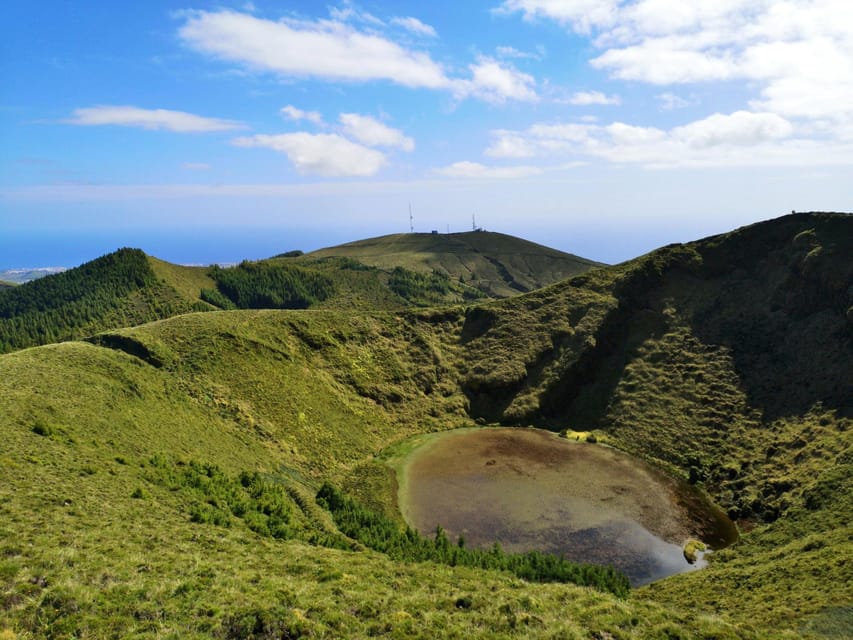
(496, 264)
(650, 355)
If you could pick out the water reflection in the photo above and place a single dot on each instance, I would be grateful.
(528, 489)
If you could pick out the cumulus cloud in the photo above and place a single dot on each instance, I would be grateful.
(328, 155)
(741, 138)
(796, 55)
(321, 49)
(740, 128)
(415, 26)
(373, 133)
(582, 15)
(153, 119)
(335, 50)
(593, 97)
(497, 82)
(292, 113)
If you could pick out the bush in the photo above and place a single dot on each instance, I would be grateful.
(258, 623)
(43, 429)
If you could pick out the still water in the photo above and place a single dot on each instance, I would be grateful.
(530, 489)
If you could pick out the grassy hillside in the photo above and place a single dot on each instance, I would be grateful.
(497, 264)
(127, 287)
(115, 290)
(159, 480)
(6, 285)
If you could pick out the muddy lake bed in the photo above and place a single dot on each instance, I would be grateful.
(529, 489)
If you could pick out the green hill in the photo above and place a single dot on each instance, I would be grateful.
(159, 480)
(497, 264)
(120, 289)
(6, 285)
(127, 288)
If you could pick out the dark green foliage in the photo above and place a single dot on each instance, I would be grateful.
(413, 285)
(215, 497)
(42, 429)
(118, 289)
(383, 534)
(264, 285)
(263, 504)
(424, 289)
(255, 623)
(215, 297)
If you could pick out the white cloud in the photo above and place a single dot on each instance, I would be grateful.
(593, 97)
(510, 145)
(373, 133)
(658, 61)
(741, 138)
(195, 166)
(321, 49)
(292, 113)
(740, 128)
(496, 83)
(333, 50)
(512, 52)
(582, 15)
(327, 155)
(794, 56)
(154, 119)
(466, 169)
(415, 26)
(669, 101)
(349, 13)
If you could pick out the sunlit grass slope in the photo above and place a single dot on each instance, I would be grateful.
(726, 361)
(497, 264)
(94, 544)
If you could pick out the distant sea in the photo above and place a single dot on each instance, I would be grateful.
(29, 249)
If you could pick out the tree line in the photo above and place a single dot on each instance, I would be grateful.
(65, 305)
(380, 533)
(261, 285)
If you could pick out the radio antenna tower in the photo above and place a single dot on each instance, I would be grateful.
(473, 223)
(411, 220)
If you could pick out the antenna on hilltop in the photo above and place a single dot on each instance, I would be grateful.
(411, 220)
(473, 223)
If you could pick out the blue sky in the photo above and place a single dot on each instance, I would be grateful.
(215, 132)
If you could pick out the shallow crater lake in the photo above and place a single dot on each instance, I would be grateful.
(529, 489)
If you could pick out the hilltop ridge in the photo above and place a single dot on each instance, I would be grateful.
(128, 287)
(498, 264)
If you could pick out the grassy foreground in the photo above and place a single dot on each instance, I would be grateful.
(695, 357)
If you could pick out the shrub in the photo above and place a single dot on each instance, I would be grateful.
(42, 429)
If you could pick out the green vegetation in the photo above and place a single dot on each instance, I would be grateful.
(260, 285)
(692, 549)
(726, 361)
(384, 534)
(118, 289)
(497, 265)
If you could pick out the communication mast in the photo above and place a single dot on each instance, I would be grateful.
(473, 223)
(411, 220)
